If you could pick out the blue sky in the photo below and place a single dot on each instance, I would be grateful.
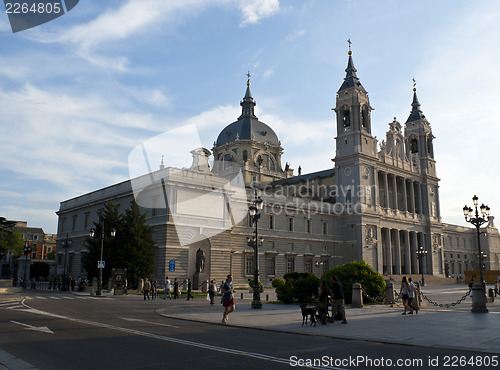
(78, 94)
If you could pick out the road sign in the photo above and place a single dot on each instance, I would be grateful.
(171, 265)
(100, 264)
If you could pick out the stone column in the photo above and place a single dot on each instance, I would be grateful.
(406, 246)
(419, 195)
(412, 197)
(386, 190)
(397, 253)
(388, 253)
(405, 200)
(413, 250)
(395, 193)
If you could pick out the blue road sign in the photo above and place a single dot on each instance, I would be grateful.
(171, 265)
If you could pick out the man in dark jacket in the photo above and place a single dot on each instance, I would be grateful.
(338, 299)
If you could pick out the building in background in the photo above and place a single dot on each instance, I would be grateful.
(379, 203)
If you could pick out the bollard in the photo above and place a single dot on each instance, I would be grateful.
(141, 285)
(110, 285)
(389, 293)
(357, 296)
(478, 299)
(267, 297)
(241, 295)
(94, 286)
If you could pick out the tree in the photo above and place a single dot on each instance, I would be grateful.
(357, 272)
(39, 269)
(132, 248)
(10, 238)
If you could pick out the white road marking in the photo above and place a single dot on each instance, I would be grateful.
(210, 347)
(42, 329)
(150, 322)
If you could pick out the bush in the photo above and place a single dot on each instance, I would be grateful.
(306, 288)
(357, 272)
(285, 292)
(301, 286)
(250, 282)
(278, 282)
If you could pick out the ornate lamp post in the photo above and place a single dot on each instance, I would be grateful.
(26, 250)
(100, 264)
(477, 221)
(65, 245)
(255, 212)
(421, 253)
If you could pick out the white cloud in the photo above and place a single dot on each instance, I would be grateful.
(295, 35)
(254, 11)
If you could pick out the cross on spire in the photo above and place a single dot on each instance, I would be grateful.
(349, 42)
(414, 84)
(248, 75)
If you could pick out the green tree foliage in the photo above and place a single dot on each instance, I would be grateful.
(277, 282)
(39, 269)
(132, 247)
(10, 238)
(301, 286)
(357, 272)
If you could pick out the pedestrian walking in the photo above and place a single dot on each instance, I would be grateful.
(411, 295)
(497, 288)
(167, 288)
(403, 293)
(146, 288)
(176, 288)
(323, 302)
(154, 289)
(338, 299)
(189, 290)
(227, 290)
(211, 291)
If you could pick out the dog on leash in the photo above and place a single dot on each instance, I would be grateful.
(308, 311)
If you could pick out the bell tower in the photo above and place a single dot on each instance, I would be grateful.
(356, 148)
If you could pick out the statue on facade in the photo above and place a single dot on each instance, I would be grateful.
(200, 260)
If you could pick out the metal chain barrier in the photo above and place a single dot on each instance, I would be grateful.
(376, 300)
(447, 305)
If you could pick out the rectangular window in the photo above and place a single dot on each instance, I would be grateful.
(326, 266)
(63, 224)
(309, 265)
(290, 264)
(271, 266)
(271, 222)
(324, 227)
(249, 265)
(73, 227)
(87, 217)
(290, 223)
(308, 225)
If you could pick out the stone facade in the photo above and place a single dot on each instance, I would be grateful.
(379, 203)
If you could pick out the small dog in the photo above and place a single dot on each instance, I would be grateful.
(311, 312)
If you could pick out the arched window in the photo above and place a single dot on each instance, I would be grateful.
(346, 118)
(413, 145)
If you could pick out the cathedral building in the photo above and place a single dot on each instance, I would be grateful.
(378, 203)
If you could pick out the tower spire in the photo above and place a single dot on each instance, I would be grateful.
(351, 79)
(248, 104)
(415, 114)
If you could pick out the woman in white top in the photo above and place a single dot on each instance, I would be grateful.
(403, 293)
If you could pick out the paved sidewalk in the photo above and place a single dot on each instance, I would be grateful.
(455, 328)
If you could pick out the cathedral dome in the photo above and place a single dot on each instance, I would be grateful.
(248, 126)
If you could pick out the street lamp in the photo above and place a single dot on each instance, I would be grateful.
(100, 263)
(255, 211)
(421, 253)
(477, 221)
(26, 250)
(65, 245)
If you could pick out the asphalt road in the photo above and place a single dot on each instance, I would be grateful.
(84, 332)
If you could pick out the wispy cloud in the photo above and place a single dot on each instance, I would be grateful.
(254, 11)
